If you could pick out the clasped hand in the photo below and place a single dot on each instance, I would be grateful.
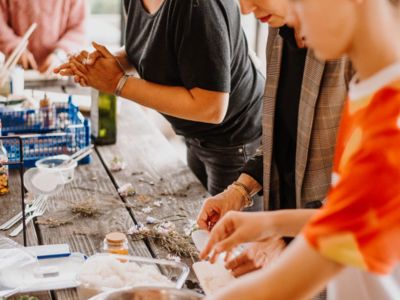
(99, 69)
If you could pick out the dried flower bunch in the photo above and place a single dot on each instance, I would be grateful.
(165, 235)
(86, 209)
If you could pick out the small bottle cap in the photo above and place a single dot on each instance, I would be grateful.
(115, 237)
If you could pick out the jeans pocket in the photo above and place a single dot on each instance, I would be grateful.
(250, 149)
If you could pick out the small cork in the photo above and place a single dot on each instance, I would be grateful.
(115, 238)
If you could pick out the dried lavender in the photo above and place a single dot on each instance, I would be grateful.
(168, 238)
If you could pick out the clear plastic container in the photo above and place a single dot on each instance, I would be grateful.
(66, 172)
(32, 275)
(175, 272)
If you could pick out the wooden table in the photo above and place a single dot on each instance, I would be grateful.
(153, 168)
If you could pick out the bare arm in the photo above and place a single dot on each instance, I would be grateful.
(242, 227)
(196, 104)
(289, 222)
(300, 273)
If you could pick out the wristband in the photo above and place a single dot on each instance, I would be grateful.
(248, 191)
(121, 84)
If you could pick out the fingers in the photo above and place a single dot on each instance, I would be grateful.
(92, 58)
(244, 268)
(78, 73)
(103, 50)
(202, 219)
(248, 261)
(219, 239)
(225, 245)
(32, 61)
(24, 62)
(208, 216)
(237, 261)
(66, 72)
(62, 67)
(46, 65)
(242, 264)
(75, 63)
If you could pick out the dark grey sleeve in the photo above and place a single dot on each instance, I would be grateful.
(203, 47)
(254, 167)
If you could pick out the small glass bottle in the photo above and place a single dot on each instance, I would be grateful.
(4, 175)
(116, 243)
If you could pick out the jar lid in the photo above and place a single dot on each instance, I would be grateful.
(115, 237)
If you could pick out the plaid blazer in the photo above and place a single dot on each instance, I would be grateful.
(323, 93)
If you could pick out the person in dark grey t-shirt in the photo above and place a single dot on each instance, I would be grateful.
(194, 66)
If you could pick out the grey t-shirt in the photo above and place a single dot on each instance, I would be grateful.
(199, 43)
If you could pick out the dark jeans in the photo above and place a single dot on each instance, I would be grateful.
(218, 166)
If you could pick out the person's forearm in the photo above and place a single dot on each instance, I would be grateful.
(290, 222)
(176, 101)
(300, 273)
(125, 64)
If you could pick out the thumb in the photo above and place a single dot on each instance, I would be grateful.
(103, 50)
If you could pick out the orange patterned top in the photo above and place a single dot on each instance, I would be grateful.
(359, 225)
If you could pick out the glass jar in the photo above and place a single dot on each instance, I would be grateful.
(116, 243)
(4, 175)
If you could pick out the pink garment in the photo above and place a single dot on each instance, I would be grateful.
(61, 25)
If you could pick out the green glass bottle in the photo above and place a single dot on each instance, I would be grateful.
(103, 116)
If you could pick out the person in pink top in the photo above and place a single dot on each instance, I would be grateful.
(61, 29)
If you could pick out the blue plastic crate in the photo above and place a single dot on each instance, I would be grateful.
(63, 130)
(43, 120)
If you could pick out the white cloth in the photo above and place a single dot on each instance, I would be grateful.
(354, 284)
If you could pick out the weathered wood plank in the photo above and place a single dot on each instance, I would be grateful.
(86, 234)
(155, 171)
(10, 205)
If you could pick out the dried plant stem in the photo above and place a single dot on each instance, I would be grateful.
(172, 241)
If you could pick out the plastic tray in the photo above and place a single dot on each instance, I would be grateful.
(43, 275)
(176, 272)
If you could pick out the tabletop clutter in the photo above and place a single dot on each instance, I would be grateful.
(52, 267)
(56, 139)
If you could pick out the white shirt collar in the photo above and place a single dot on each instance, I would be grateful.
(361, 89)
